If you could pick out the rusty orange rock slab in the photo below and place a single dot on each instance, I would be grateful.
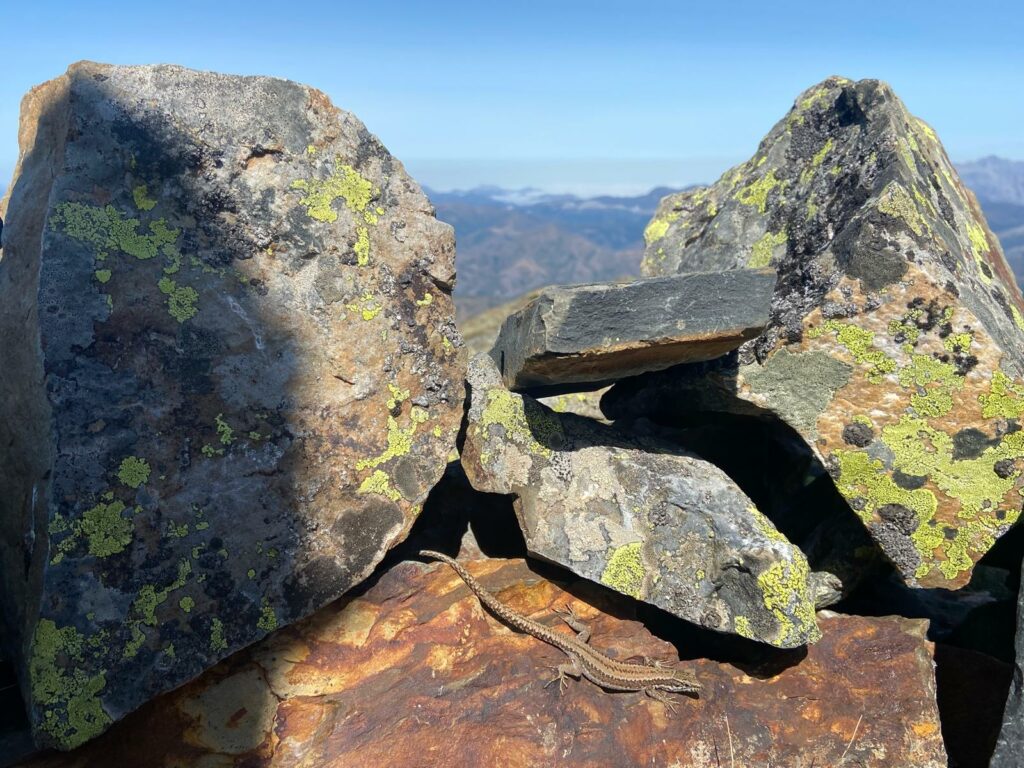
(415, 673)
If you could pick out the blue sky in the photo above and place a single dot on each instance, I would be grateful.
(584, 96)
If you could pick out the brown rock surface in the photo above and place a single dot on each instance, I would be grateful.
(414, 673)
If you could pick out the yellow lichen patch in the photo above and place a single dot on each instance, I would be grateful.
(509, 410)
(346, 183)
(380, 484)
(859, 342)
(980, 248)
(820, 155)
(367, 306)
(788, 597)
(765, 526)
(362, 246)
(399, 444)
(625, 571)
(762, 251)
(1004, 398)
(658, 227)
(742, 626)
(895, 201)
(756, 193)
(1018, 318)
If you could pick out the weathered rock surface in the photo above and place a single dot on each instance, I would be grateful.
(1010, 745)
(230, 376)
(581, 334)
(645, 519)
(368, 683)
(895, 343)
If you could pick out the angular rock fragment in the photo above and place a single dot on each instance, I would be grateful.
(895, 345)
(417, 650)
(582, 334)
(1010, 745)
(230, 376)
(637, 515)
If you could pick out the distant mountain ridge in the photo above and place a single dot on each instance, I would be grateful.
(512, 241)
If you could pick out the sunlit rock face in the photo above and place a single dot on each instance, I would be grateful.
(895, 344)
(231, 376)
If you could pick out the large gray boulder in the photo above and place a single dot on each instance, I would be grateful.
(640, 516)
(895, 345)
(579, 336)
(230, 376)
(1009, 751)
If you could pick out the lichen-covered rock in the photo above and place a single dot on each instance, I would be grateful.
(572, 337)
(639, 516)
(369, 683)
(230, 376)
(1010, 745)
(895, 344)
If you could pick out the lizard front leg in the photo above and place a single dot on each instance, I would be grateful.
(569, 669)
(665, 698)
(578, 625)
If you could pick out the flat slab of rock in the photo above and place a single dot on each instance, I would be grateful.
(585, 334)
(230, 376)
(1010, 745)
(417, 650)
(639, 516)
(896, 339)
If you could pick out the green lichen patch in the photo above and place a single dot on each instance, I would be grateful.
(625, 571)
(143, 201)
(225, 433)
(217, 640)
(72, 712)
(1004, 398)
(105, 229)
(182, 300)
(268, 620)
(106, 529)
(133, 471)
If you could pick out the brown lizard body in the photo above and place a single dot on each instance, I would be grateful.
(657, 680)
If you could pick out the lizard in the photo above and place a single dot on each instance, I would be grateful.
(657, 679)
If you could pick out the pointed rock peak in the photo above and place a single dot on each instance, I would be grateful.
(894, 298)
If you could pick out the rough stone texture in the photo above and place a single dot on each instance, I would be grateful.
(639, 516)
(578, 335)
(240, 306)
(1010, 745)
(894, 344)
(368, 684)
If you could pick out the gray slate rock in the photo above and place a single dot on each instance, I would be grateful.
(895, 345)
(1009, 752)
(639, 516)
(230, 376)
(582, 336)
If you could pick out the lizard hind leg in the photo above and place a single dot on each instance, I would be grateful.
(581, 628)
(565, 671)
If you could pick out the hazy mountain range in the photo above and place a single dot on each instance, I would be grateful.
(511, 241)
